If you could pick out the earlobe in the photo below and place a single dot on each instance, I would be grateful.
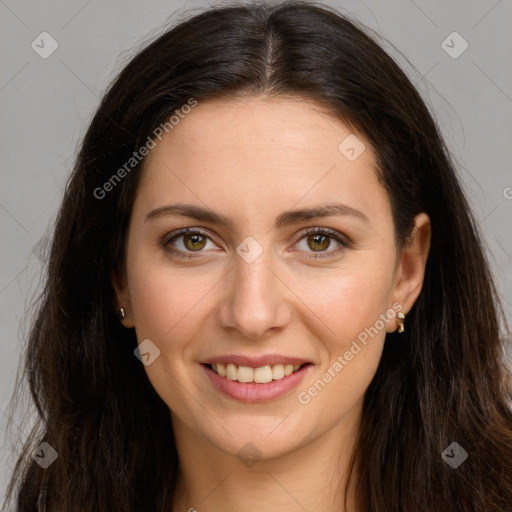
(122, 304)
(412, 264)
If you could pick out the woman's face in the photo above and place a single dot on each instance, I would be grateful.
(254, 285)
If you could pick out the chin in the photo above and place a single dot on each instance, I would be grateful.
(256, 437)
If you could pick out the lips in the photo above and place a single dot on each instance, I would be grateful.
(255, 379)
(260, 369)
(256, 361)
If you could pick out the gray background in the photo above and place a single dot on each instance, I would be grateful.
(47, 103)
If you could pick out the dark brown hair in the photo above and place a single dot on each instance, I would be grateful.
(443, 381)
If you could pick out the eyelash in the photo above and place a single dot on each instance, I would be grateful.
(345, 244)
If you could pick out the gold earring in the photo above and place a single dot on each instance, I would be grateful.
(401, 318)
(121, 313)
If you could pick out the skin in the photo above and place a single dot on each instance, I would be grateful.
(250, 160)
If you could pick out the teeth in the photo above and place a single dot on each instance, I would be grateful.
(277, 371)
(259, 375)
(263, 374)
(231, 372)
(245, 374)
(221, 369)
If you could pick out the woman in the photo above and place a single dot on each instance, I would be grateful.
(266, 289)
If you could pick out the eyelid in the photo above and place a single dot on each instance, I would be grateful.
(338, 237)
(184, 231)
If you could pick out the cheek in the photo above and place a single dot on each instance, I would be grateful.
(346, 303)
(165, 302)
(348, 314)
(351, 343)
(169, 310)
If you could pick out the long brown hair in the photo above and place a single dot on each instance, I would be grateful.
(441, 382)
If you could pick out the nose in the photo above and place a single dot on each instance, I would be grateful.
(256, 300)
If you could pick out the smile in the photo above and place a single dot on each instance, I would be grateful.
(261, 379)
(260, 375)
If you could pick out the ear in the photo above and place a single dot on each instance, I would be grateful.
(122, 296)
(410, 271)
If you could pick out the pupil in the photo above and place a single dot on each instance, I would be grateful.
(318, 239)
(195, 240)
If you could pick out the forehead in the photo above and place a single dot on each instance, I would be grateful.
(253, 153)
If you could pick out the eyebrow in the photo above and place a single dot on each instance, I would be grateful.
(284, 219)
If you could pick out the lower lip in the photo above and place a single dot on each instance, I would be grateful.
(253, 392)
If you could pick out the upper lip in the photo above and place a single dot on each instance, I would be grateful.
(255, 361)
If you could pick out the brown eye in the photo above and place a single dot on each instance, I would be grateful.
(319, 242)
(194, 242)
(188, 241)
